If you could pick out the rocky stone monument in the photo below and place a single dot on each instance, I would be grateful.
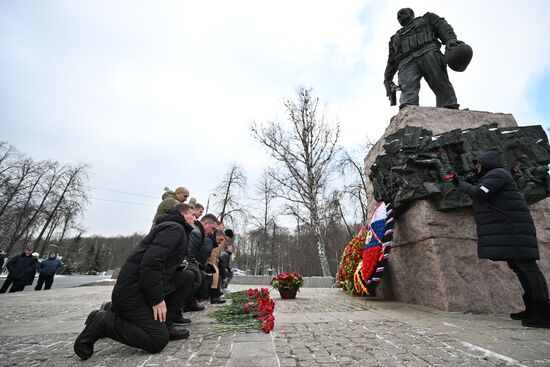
(434, 257)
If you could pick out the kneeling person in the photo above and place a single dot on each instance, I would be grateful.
(149, 292)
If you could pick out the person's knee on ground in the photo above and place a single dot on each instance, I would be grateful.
(93, 331)
(157, 344)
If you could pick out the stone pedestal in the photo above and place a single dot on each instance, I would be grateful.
(434, 259)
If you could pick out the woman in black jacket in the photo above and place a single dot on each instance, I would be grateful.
(506, 232)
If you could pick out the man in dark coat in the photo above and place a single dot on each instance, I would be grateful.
(22, 270)
(203, 228)
(47, 270)
(150, 290)
(415, 51)
(506, 232)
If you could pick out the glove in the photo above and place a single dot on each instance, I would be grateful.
(451, 43)
(455, 181)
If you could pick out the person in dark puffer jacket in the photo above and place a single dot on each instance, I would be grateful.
(151, 288)
(22, 270)
(506, 232)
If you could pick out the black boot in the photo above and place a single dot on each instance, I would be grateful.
(181, 320)
(195, 306)
(528, 309)
(177, 333)
(215, 295)
(541, 315)
(84, 343)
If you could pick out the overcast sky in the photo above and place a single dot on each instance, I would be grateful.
(162, 93)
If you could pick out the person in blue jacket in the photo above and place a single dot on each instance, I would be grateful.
(47, 270)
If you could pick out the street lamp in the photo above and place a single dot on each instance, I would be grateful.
(208, 203)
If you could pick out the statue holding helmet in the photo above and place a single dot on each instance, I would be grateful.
(414, 53)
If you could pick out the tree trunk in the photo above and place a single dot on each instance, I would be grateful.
(320, 240)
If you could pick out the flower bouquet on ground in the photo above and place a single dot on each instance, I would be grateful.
(249, 310)
(288, 283)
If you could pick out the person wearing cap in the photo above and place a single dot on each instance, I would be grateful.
(506, 232)
(414, 51)
(22, 270)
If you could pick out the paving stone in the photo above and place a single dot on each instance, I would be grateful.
(322, 327)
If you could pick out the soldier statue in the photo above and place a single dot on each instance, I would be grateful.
(414, 51)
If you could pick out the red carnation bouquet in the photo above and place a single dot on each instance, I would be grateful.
(249, 310)
(288, 281)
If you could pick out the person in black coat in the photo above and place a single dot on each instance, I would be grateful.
(197, 238)
(506, 232)
(150, 290)
(22, 270)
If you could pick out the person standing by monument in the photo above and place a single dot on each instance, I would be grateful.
(506, 232)
(414, 51)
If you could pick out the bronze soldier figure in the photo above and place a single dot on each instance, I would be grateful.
(414, 51)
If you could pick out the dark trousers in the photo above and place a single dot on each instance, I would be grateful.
(531, 278)
(432, 67)
(44, 279)
(227, 279)
(137, 327)
(17, 286)
(197, 280)
(206, 281)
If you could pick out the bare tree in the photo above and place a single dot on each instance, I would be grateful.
(33, 195)
(229, 192)
(28, 213)
(72, 186)
(266, 194)
(335, 210)
(305, 154)
(357, 188)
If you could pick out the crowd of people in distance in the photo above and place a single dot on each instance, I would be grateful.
(22, 270)
(182, 262)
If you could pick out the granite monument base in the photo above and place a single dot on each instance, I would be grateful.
(434, 258)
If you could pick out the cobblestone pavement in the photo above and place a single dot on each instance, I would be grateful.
(322, 327)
